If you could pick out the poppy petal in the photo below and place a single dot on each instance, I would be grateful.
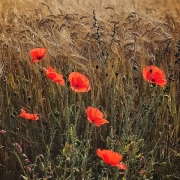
(99, 152)
(121, 166)
(41, 52)
(34, 53)
(99, 121)
(59, 79)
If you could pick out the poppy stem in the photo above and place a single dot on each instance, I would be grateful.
(95, 133)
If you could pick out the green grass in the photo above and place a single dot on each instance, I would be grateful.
(144, 119)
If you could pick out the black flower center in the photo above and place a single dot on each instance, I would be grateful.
(39, 57)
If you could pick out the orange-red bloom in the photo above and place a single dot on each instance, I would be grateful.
(111, 157)
(29, 116)
(154, 75)
(79, 82)
(95, 116)
(51, 74)
(37, 54)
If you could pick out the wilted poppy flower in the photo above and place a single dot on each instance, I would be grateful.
(79, 82)
(95, 116)
(154, 75)
(111, 157)
(37, 54)
(28, 115)
(51, 74)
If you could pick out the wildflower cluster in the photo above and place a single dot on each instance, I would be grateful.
(80, 83)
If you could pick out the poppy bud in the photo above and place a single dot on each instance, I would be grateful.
(135, 79)
(159, 103)
(41, 166)
(12, 116)
(176, 54)
(166, 89)
(68, 160)
(29, 98)
(124, 78)
(134, 68)
(56, 114)
(15, 93)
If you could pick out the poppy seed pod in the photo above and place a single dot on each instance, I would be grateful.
(56, 114)
(29, 98)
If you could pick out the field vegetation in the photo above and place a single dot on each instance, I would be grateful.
(110, 42)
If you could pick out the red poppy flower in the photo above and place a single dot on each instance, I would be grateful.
(37, 54)
(111, 157)
(51, 74)
(95, 116)
(28, 115)
(154, 75)
(79, 82)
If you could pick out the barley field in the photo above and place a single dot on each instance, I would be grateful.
(110, 43)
